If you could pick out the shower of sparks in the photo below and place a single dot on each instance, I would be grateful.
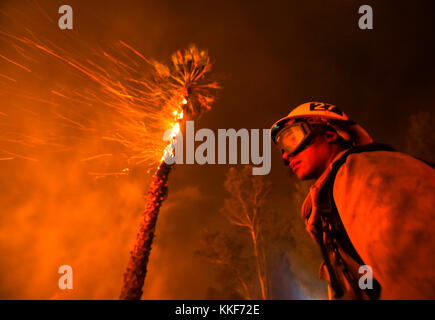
(116, 95)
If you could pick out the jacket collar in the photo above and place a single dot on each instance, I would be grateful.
(310, 207)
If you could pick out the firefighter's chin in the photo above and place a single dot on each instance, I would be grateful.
(301, 172)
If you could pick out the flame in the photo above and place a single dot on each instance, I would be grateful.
(169, 151)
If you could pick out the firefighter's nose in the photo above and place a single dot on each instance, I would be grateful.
(285, 157)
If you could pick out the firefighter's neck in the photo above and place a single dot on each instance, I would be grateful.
(334, 150)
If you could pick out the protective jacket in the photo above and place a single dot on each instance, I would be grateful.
(376, 207)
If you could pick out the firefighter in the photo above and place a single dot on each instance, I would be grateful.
(370, 209)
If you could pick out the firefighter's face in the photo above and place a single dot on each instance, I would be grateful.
(313, 160)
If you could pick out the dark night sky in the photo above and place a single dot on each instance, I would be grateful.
(277, 54)
(269, 57)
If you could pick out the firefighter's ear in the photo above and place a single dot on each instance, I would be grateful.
(330, 136)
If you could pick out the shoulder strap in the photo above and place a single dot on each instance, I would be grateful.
(365, 148)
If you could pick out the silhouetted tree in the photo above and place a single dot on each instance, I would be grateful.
(243, 208)
(265, 252)
(233, 266)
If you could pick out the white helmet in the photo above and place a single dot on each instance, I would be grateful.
(329, 115)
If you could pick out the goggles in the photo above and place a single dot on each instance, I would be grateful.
(295, 137)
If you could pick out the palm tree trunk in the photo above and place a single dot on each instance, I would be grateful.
(134, 277)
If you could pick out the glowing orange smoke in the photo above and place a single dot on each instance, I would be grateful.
(80, 127)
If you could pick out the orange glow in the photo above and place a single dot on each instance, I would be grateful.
(81, 130)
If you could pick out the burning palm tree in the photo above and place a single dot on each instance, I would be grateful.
(186, 92)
